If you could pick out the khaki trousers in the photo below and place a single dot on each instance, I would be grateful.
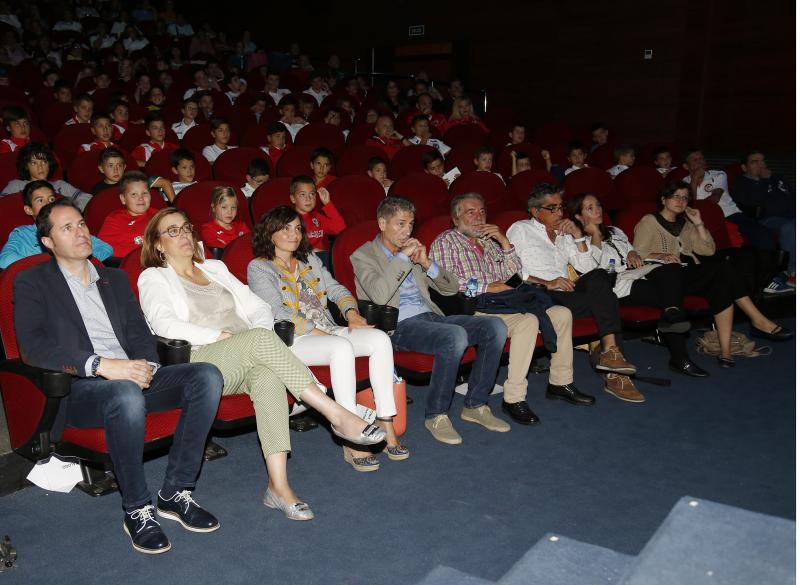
(523, 328)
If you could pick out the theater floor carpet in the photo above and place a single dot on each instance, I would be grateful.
(606, 475)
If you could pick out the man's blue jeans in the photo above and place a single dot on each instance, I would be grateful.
(784, 228)
(120, 406)
(447, 338)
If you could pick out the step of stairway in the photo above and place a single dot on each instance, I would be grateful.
(706, 542)
(442, 575)
(558, 560)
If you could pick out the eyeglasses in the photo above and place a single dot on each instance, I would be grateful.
(174, 231)
(679, 197)
(553, 208)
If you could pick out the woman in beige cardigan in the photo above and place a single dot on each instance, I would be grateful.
(676, 233)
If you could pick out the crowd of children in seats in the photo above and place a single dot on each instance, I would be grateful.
(150, 89)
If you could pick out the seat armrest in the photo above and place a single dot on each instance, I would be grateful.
(457, 304)
(112, 262)
(173, 351)
(51, 383)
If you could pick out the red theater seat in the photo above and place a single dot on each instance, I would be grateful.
(31, 396)
(433, 226)
(268, 195)
(465, 134)
(408, 160)
(355, 158)
(429, 194)
(237, 256)
(638, 184)
(462, 157)
(521, 185)
(231, 165)
(295, 161)
(594, 181)
(489, 185)
(319, 134)
(11, 215)
(356, 197)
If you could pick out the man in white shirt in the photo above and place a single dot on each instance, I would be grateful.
(713, 185)
(547, 243)
(420, 127)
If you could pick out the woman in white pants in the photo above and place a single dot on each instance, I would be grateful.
(293, 281)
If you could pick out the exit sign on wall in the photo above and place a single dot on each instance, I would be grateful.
(416, 30)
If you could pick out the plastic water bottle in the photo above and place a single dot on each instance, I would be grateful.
(612, 266)
(472, 287)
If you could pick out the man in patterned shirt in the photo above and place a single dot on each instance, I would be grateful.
(474, 248)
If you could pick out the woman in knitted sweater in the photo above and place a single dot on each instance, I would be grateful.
(676, 233)
(293, 281)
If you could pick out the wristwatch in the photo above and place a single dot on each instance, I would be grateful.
(95, 365)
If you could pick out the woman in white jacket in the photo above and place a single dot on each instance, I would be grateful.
(640, 281)
(187, 297)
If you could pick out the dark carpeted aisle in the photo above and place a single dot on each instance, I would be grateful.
(606, 475)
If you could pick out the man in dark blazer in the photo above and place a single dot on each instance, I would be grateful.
(73, 317)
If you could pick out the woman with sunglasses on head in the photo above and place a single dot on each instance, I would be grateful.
(291, 278)
(677, 234)
(637, 282)
(185, 296)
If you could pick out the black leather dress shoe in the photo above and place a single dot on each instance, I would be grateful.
(777, 334)
(688, 368)
(520, 412)
(569, 393)
(145, 531)
(182, 508)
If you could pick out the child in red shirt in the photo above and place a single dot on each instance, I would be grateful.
(224, 228)
(319, 223)
(157, 131)
(18, 125)
(276, 143)
(124, 228)
(120, 113)
(102, 130)
(322, 161)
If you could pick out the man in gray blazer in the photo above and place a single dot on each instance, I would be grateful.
(394, 269)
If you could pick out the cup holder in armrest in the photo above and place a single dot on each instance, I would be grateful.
(173, 351)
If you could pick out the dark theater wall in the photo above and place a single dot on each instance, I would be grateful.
(722, 72)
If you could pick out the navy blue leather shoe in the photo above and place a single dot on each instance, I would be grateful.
(182, 508)
(145, 531)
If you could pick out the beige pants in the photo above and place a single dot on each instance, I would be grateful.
(523, 329)
(257, 363)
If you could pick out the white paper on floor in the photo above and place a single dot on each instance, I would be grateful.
(462, 389)
(56, 474)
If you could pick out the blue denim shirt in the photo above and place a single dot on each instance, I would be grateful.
(411, 301)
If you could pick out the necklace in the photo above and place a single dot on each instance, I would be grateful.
(286, 265)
